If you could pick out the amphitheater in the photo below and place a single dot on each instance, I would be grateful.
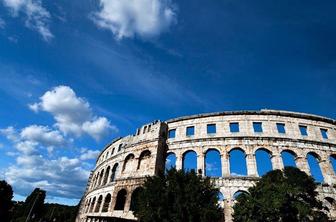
(287, 138)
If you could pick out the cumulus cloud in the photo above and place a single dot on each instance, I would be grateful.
(126, 18)
(10, 133)
(62, 177)
(36, 16)
(73, 114)
(35, 163)
(89, 154)
(31, 137)
(43, 135)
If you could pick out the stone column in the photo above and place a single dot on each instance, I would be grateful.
(251, 165)
(327, 171)
(179, 160)
(128, 202)
(302, 164)
(201, 162)
(277, 163)
(225, 159)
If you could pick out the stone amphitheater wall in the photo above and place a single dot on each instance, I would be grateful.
(144, 154)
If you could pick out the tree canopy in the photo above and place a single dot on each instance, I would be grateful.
(178, 196)
(6, 195)
(288, 195)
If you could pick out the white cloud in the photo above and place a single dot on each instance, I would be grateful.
(60, 177)
(43, 135)
(98, 128)
(73, 114)
(10, 133)
(126, 18)
(89, 154)
(27, 147)
(36, 16)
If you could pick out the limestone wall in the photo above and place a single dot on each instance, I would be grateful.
(144, 154)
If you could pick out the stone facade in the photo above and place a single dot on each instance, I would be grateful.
(122, 166)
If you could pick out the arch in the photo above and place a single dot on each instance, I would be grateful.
(288, 158)
(315, 170)
(99, 202)
(128, 163)
(106, 176)
(87, 206)
(330, 202)
(121, 200)
(114, 172)
(100, 177)
(96, 180)
(213, 163)
(189, 161)
(332, 159)
(144, 159)
(263, 160)
(237, 159)
(93, 182)
(170, 161)
(107, 202)
(134, 198)
(220, 196)
(238, 193)
(92, 204)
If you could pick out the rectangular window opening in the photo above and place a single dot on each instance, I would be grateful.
(171, 133)
(281, 128)
(211, 128)
(257, 126)
(324, 133)
(303, 130)
(234, 127)
(190, 131)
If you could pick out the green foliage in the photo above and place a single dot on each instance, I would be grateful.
(178, 196)
(41, 211)
(6, 195)
(287, 195)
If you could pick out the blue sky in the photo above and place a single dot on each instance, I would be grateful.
(126, 64)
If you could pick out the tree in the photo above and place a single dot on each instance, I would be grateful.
(6, 195)
(178, 196)
(34, 204)
(287, 195)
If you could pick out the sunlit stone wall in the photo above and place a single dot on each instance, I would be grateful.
(122, 166)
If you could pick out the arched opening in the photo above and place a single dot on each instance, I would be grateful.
(107, 172)
(313, 161)
(114, 172)
(190, 161)
(333, 162)
(263, 159)
(288, 158)
(121, 199)
(107, 202)
(87, 207)
(135, 198)
(128, 163)
(238, 193)
(213, 165)
(101, 178)
(170, 161)
(330, 203)
(93, 181)
(92, 204)
(96, 180)
(237, 162)
(144, 160)
(99, 201)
